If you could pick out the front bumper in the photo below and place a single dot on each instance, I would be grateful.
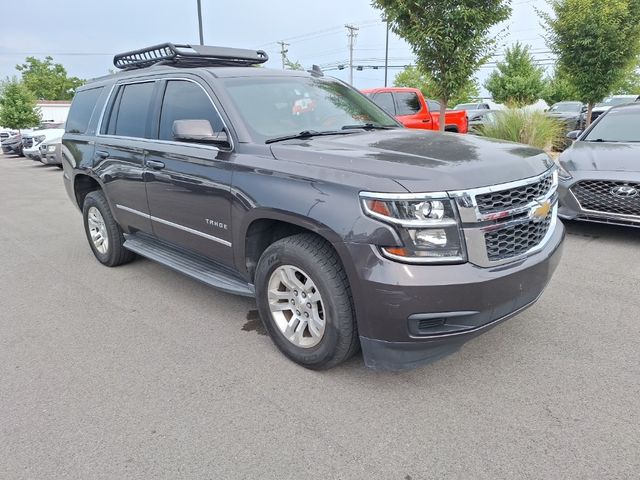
(409, 315)
(33, 153)
(570, 208)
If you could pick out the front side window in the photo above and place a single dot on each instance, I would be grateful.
(184, 100)
(385, 101)
(130, 110)
(408, 103)
(81, 110)
(279, 106)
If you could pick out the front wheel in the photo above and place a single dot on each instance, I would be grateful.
(104, 234)
(305, 301)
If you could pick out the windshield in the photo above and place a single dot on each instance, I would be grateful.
(281, 106)
(616, 126)
(613, 101)
(568, 107)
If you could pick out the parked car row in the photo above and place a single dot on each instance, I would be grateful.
(43, 145)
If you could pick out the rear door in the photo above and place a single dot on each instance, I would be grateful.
(119, 152)
(411, 111)
(188, 184)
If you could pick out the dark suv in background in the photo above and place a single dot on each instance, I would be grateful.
(348, 229)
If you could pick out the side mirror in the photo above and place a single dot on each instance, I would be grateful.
(574, 134)
(198, 131)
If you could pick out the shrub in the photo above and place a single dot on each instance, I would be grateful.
(533, 128)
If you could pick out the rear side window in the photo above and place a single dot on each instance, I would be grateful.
(408, 103)
(130, 110)
(385, 102)
(433, 105)
(185, 100)
(81, 110)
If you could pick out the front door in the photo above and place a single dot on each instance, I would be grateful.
(188, 184)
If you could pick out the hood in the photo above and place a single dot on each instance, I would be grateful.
(419, 160)
(609, 157)
(50, 134)
(564, 115)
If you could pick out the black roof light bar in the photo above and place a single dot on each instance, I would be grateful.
(188, 56)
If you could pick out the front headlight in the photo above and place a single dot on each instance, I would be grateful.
(427, 224)
(563, 174)
(51, 148)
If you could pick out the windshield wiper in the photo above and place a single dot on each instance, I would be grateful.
(368, 126)
(601, 140)
(305, 134)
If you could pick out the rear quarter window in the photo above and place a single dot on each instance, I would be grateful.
(82, 107)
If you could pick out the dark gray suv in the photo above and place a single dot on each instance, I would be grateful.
(350, 230)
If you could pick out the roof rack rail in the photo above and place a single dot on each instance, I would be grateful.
(188, 56)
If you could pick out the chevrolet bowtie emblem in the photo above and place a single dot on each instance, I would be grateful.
(538, 214)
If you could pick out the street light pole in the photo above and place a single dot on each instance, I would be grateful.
(386, 55)
(352, 37)
(200, 22)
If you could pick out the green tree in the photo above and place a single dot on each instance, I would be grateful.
(558, 88)
(48, 80)
(17, 106)
(630, 83)
(450, 38)
(517, 81)
(412, 77)
(596, 43)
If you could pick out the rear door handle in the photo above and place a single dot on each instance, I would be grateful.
(156, 165)
(101, 154)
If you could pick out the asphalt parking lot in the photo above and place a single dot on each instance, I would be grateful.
(139, 372)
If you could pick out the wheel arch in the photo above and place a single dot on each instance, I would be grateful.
(262, 227)
(83, 184)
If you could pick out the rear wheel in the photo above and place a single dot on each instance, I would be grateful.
(103, 233)
(305, 301)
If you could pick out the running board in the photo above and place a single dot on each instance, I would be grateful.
(190, 264)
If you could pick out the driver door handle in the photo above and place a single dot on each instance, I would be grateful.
(156, 165)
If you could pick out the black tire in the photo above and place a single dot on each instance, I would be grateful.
(115, 254)
(319, 260)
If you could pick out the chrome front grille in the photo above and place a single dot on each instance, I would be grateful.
(513, 197)
(504, 223)
(27, 142)
(516, 240)
(607, 196)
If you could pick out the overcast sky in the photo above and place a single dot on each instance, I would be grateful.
(84, 34)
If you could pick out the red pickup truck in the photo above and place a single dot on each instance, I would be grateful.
(411, 109)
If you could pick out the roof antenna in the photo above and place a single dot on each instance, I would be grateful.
(316, 71)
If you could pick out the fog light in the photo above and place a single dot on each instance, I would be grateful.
(431, 237)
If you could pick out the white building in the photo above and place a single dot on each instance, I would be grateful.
(54, 110)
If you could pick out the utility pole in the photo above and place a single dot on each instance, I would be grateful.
(200, 21)
(283, 52)
(352, 38)
(386, 55)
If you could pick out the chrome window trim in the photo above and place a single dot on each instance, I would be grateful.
(157, 140)
(175, 225)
